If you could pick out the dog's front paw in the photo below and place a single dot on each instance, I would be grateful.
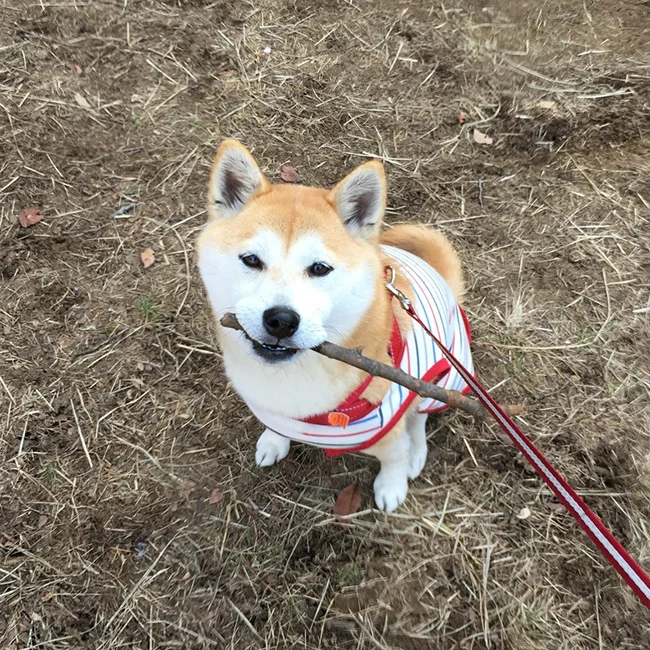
(390, 490)
(271, 448)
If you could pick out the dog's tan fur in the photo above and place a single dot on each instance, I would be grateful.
(434, 248)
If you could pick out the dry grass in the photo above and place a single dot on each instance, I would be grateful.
(132, 512)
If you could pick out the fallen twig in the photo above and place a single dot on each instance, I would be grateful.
(423, 388)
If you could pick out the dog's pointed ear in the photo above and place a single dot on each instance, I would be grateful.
(235, 180)
(360, 199)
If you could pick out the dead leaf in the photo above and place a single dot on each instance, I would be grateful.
(82, 101)
(147, 257)
(216, 496)
(30, 216)
(186, 488)
(348, 501)
(547, 105)
(78, 68)
(289, 175)
(186, 577)
(504, 437)
(555, 506)
(482, 138)
(42, 520)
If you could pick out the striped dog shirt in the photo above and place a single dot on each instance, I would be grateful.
(362, 424)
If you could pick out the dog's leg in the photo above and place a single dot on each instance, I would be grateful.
(416, 429)
(271, 448)
(391, 484)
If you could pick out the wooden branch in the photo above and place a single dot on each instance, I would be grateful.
(423, 388)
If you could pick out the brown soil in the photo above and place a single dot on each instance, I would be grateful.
(173, 538)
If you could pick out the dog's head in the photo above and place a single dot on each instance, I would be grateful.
(297, 265)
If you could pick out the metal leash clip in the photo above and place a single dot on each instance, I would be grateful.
(390, 285)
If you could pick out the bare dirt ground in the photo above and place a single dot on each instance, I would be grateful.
(131, 512)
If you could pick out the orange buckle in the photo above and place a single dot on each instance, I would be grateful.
(338, 420)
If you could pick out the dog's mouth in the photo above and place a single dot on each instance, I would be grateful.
(272, 353)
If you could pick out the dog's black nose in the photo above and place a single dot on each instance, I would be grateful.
(280, 321)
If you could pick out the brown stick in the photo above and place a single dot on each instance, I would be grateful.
(378, 369)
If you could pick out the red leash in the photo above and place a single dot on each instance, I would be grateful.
(608, 545)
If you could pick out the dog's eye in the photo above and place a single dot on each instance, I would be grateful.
(318, 269)
(251, 261)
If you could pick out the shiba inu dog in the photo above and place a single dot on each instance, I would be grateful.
(300, 265)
